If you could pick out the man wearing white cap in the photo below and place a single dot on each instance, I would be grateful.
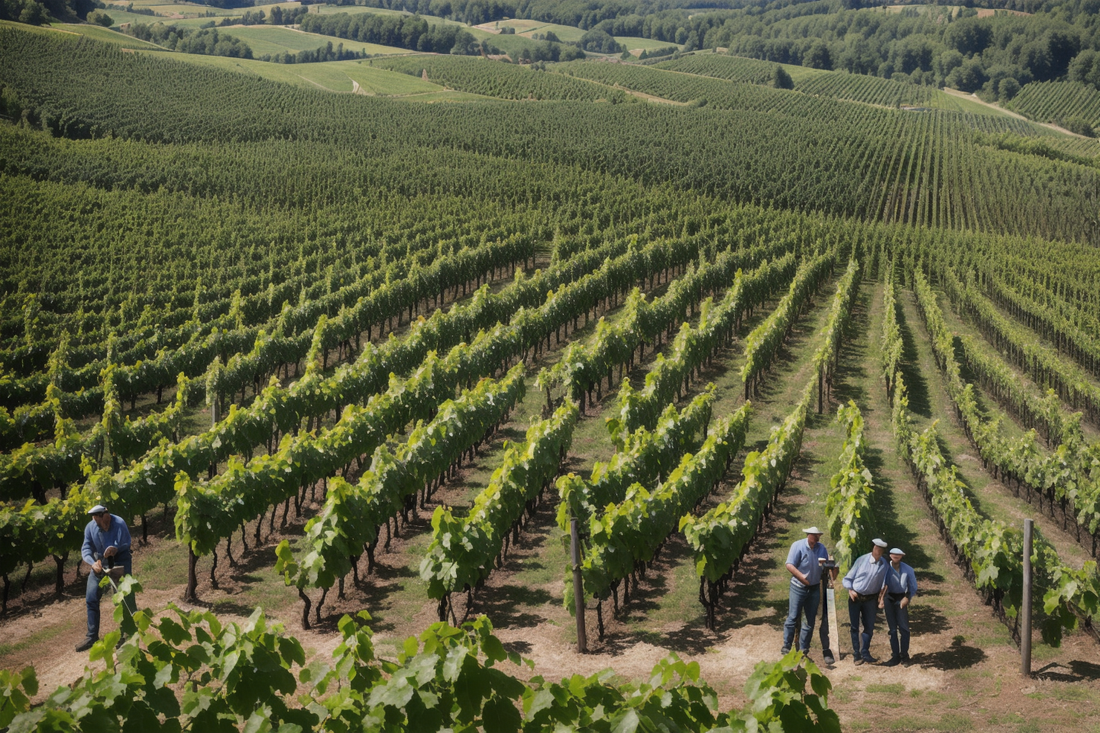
(106, 544)
(901, 586)
(804, 564)
(866, 582)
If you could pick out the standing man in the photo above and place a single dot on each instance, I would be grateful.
(106, 545)
(866, 582)
(901, 586)
(804, 564)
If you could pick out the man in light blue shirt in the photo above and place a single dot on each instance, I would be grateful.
(804, 564)
(866, 582)
(106, 545)
(901, 586)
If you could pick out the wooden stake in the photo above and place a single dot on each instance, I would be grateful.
(578, 585)
(1025, 620)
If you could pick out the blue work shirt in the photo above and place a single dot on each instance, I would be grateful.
(805, 559)
(96, 540)
(902, 580)
(867, 576)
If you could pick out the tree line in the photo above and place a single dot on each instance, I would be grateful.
(203, 41)
(411, 32)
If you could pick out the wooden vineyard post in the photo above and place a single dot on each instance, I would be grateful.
(828, 604)
(820, 389)
(1025, 620)
(189, 594)
(578, 585)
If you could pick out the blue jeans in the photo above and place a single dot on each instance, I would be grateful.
(93, 595)
(864, 611)
(803, 604)
(897, 620)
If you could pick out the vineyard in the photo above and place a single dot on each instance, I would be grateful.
(361, 375)
(1058, 102)
(851, 87)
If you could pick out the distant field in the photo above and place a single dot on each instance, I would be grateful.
(381, 81)
(357, 9)
(338, 76)
(120, 17)
(509, 44)
(528, 28)
(186, 10)
(982, 12)
(310, 76)
(43, 30)
(447, 95)
(334, 76)
(566, 33)
(962, 104)
(206, 12)
(273, 39)
(521, 25)
(191, 22)
(195, 10)
(100, 33)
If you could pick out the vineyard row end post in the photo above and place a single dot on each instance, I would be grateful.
(578, 585)
(1025, 622)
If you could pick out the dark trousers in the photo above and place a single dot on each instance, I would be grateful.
(862, 611)
(897, 620)
(92, 597)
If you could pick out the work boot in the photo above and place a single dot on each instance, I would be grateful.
(894, 661)
(87, 643)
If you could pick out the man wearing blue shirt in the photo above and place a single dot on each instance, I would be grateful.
(804, 564)
(901, 586)
(865, 582)
(106, 545)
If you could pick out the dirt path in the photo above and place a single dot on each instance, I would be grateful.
(650, 97)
